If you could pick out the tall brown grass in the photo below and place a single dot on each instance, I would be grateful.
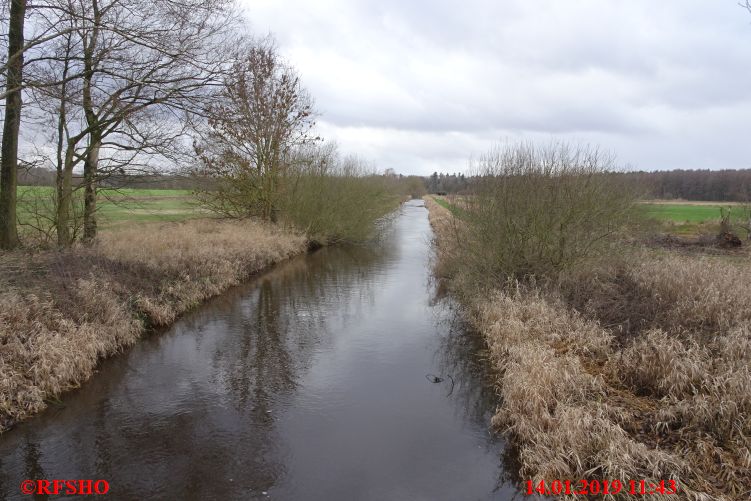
(60, 313)
(635, 367)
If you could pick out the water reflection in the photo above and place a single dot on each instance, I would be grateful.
(307, 383)
(223, 369)
(462, 353)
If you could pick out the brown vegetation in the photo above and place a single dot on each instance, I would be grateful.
(335, 199)
(631, 367)
(61, 312)
(535, 211)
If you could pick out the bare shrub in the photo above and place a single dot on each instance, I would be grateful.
(635, 366)
(535, 211)
(37, 210)
(335, 199)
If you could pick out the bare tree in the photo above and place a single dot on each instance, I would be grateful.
(261, 115)
(123, 84)
(11, 126)
(23, 51)
(33, 47)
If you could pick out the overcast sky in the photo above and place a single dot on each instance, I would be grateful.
(420, 85)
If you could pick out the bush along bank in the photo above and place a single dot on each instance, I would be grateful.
(636, 369)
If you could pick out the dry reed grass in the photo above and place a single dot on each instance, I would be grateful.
(634, 369)
(62, 312)
(198, 259)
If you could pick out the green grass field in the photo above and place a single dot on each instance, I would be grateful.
(686, 213)
(117, 207)
(114, 206)
(692, 218)
(682, 218)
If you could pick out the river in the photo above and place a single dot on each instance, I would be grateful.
(337, 375)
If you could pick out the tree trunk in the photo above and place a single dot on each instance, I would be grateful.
(65, 200)
(11, 127)
(92, 155)
(89, 175)
(64, 162)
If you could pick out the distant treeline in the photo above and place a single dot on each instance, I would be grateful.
(37, 176)
(715, 185)
(727, 185)
(446, 183)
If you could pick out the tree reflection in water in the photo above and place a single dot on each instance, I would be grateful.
(306, 383)
(200, 400)
(462, 354)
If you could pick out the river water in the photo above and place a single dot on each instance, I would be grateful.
(307, 383)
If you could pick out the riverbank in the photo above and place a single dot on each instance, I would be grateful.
(61, 312)
(633, 369)
(327, 352)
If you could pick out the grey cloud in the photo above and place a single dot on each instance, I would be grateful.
(665, 84)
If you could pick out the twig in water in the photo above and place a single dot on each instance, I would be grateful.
(437, 379)
(452, 385)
